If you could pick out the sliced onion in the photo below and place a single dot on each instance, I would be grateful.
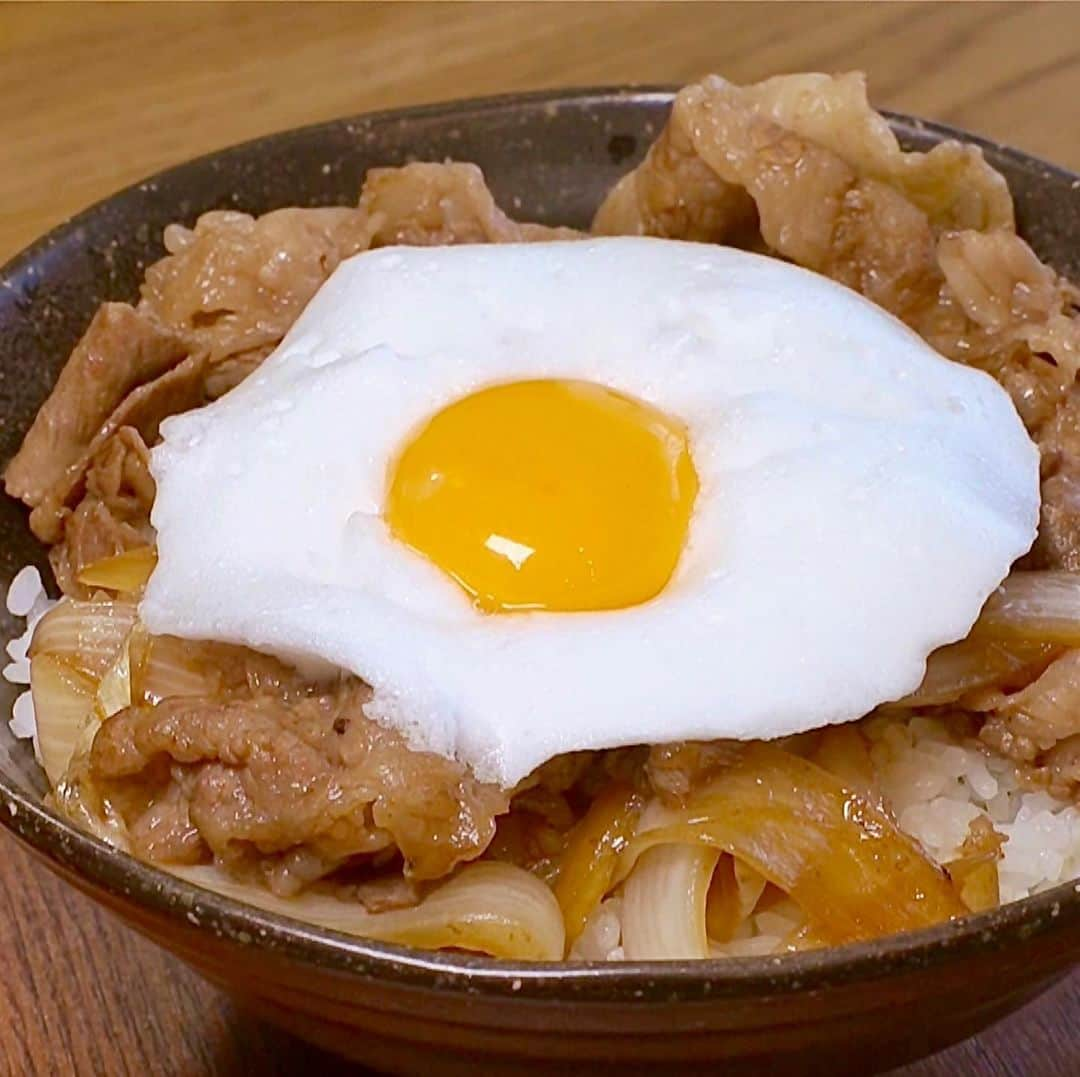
(78, 799)
(733, 895)
(751, 885)
(843, 751)
(88, 635)
(126, 572)
(63, 707)
(782, 918)
(588, 863)
(974, 871)
(847, 865)
(1039, 606)
(165, 666)
(723, 913)
(664, 898)
(488, 907)
(803, 939)
(114, 689)
(976, 882)
(975, 664)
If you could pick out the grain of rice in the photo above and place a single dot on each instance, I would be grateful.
(26, 598)
(24, 591)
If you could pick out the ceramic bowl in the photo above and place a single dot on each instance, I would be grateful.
(549, 157)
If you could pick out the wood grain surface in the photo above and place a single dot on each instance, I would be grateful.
(93, 97)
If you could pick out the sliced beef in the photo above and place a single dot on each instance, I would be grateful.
(673, 193)
(1021, 327)
(235, 283)
(952, 183)
(673, 770)
(1038, 727)
(229, 373)
(121, 350)
(429, 204)
(929, 237)
(141, 411)
(267, 777)
(1058, 542)
(113, 514)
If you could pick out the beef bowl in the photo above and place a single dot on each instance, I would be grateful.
(549, 158)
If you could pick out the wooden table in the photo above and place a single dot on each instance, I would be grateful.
(95, 97)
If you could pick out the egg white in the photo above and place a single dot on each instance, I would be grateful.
(860, 497)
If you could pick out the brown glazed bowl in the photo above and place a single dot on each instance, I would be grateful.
(549, 157)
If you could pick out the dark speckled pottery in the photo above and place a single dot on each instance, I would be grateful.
(549, 157)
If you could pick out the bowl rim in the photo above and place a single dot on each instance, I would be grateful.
(97, 866)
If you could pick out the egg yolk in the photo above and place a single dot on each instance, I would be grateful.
(547, 495)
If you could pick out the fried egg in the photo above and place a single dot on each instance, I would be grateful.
(578, 495)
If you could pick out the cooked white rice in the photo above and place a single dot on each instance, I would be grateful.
(26, 598)
(935, 785)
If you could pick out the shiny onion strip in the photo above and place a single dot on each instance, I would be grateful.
(588, 862)
(164, 666)
(63, 708)
(1042, 607)
(733, 894)
(803, 939)
(663, 910)
(126, 572)
(489, 908)
(91, 659)
(976, 881)
(89, 635)
(855, 875)
(974, 871)
(78, 675)
(975, 664)
(844, 752)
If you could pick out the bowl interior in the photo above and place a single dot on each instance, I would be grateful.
(548, 157)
